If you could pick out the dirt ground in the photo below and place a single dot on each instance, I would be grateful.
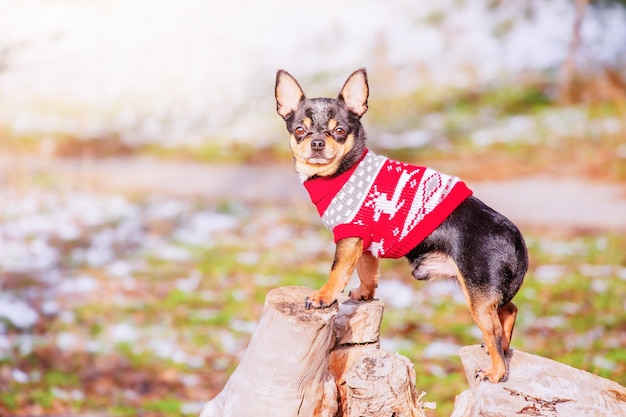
(540, 200)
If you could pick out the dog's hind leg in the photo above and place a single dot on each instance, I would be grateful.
(507, 314)
(484, 310)
(367, 268)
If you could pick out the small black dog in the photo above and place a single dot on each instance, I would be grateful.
(378, 207)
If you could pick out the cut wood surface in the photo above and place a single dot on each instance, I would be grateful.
(318, 363)
(537, 387)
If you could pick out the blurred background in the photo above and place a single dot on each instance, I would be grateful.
(148, 202)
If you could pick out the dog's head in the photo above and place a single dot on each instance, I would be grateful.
(326, 134)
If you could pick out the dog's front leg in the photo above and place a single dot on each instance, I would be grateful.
(347, 254)
(368, 274)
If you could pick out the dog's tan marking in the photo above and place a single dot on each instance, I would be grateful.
(484, 310)
(333, 152)
(486, 317)
(367, 268)
(332, 124)
(507, 314)
(347, 254)
(436, 265)
(496, 324)
(339, 150)
(307, 122)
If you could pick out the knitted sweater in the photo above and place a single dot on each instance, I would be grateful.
(391, 205)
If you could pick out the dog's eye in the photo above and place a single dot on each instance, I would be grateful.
(340, 131)
(299, 131)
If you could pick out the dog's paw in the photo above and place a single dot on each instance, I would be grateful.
(316, 301)
(361, 294)
(484, 348)
(489, 375)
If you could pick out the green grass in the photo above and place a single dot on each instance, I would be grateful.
(167, 406)
(571, 316)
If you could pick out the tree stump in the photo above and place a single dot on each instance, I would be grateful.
(318, 363)
(537, 387)
(283, 371)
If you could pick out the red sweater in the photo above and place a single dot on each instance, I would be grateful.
(391, 205)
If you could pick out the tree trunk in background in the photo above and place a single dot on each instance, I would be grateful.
(569, 72)
(317, 363)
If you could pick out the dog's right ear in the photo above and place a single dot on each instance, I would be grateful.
(288, 93)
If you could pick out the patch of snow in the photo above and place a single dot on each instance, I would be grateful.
(67, 316)
(552, 322)
(19, 313)
(407, 139)
(19, 376)
(67, 341)
(444, 290)
(248, 258)
(50, 307)
(67, 395)
(200, 226)
(550, 274)
(599, 286)
(604, 363)
(170, 252)
(189, 284)
(5, 345)
(83, 283)
(123, 332)
(165, 209)
(120, 269)
(396, 344)
(396, 294)
(597, 271)
(243, 326)
(441, 349)
(194, 408)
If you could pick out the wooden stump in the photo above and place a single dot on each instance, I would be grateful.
(537, 387)
(283, 372)
(324, 363)
(380, 383)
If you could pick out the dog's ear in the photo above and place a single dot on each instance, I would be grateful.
(288, 93)
(355, 92)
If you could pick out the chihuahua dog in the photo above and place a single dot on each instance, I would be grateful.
(380, 208)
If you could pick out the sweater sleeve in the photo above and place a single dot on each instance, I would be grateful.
(345, 230)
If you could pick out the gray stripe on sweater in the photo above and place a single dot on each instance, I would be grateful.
(349, 199)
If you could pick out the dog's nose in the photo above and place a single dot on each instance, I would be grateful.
(318, 144)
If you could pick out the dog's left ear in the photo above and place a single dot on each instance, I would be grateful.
(288, 93)
(355, 92)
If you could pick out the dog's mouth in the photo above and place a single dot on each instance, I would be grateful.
(318, 160)
(320, 157)
(317, 163)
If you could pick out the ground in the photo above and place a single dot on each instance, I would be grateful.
(134, 284)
